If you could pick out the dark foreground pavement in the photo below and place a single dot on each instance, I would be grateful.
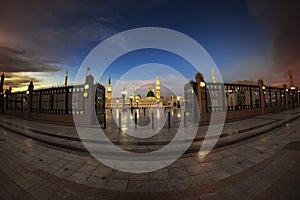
(266, 166)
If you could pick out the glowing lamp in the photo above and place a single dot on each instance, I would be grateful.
(202, 84)
(85, 94)
(86, 86)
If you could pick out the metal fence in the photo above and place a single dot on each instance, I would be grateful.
(222, 97)
(274, 96)
(56, 100)
(17, 101)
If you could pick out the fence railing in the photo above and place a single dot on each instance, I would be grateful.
(55, 100)
(230, 97)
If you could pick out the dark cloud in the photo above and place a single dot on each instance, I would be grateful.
(60, 32)
(281, 19)
(17, 60)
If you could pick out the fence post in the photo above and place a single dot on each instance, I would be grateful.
(184, 118)
(152, 119)
(104, 122)
(30, 91)
(135, 120)
(286, 96)
(89, 101)
(7, 92)
(120, 121)
(298, 96)
(169, 119)
(201, 95)
(67, 100)
(262, 95)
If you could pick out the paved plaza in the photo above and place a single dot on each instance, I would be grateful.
(255, 158)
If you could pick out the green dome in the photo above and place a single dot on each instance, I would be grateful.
(150, 94)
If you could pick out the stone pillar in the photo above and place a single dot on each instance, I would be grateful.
(89, 101)
(286, 96)
(7, 92)
(298, 95)
(203, 115)
(262, 95)
(29, 103)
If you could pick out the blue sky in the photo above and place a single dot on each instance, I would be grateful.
(41, 40)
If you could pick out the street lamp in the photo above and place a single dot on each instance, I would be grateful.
(157, 101)
(137, 103)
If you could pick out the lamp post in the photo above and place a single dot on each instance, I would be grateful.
(157, 101)
(124, 93)
(137, 103)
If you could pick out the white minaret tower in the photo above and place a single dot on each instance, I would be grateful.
(109, 89)
(213, 75)
(157, 89)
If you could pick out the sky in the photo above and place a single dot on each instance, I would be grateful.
(247, 40)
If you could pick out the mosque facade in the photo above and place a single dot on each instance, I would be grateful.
(153, 97)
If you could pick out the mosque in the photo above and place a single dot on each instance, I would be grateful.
(153, 97)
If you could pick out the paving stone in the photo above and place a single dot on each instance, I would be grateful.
(103, 172)
(87, 169)
(159, 186)
(203, 179)
(95, 181)
(161, 174)
(178, 172)
(78, 177)
(210, 166)
(118, 175)
(219, 174)
(117, 185)
(195, 169)
(137, 186)
(139, 177)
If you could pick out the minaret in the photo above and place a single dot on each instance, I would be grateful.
(132, 92)
(213, 75)
(109, 90)
(2, 83)
(66, 79)
(290, 72)
(157, 92)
